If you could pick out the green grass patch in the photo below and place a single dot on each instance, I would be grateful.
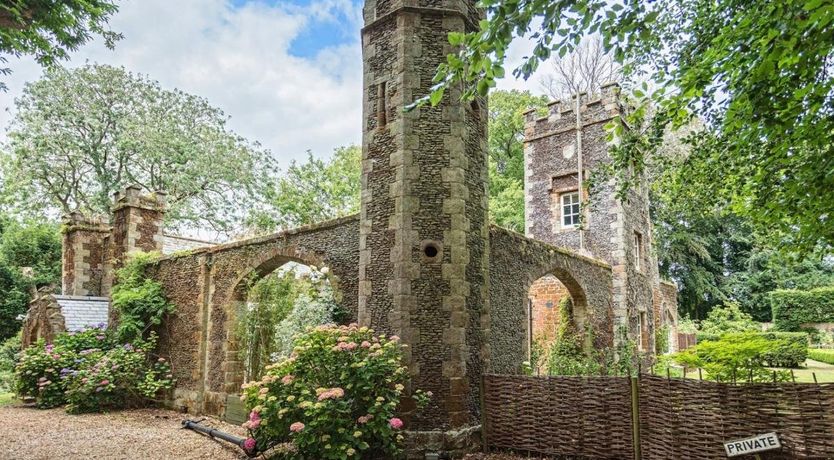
(822, 355)
(7, 398)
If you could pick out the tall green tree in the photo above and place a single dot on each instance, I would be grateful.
(758, 71)
(80, 135)
(313, 191)
(506, 155)
(50, 29)
(30, 257)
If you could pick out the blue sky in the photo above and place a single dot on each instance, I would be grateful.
(339, 28)
(287, 73)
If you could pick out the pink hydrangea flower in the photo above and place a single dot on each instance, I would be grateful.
(249, 445)
(366, 344)
(332, 393)
(395, 423)
(287, 379)
(364, 419)
(104, 382)
(296, 427)
(395, 338)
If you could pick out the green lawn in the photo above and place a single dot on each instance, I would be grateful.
(823, 371)
(7, 398)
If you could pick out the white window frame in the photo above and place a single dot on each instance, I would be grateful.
(569, 200)
(640, 315)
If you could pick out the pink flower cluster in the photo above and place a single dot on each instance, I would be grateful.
(395, 423)
(287, 379)
(249, 445)
(364, 419)
(345, 346)
(296, 427)
(331, 393)
(253, 422)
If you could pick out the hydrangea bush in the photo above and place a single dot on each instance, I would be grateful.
(335, 397)
(91, 372)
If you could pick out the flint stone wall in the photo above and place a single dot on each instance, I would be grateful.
(516, 262)
(207, 286)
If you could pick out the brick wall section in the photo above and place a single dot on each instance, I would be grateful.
(516, 262)
(424, 186)
(208, 285)
(546, 293)
(610, 224)
(83, 255)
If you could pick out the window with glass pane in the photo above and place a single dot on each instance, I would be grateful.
(570, 209)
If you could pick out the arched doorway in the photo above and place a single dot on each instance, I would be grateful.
(556, 311)
(269, 306)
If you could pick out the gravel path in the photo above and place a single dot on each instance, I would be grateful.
(28, 433)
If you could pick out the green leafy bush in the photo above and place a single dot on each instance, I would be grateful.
(91, 372)
(42, 370)
(786, 349)
(733, 357)
(97, 369)
(822, 355)
(334, 398)
(9, 355)
(724, 319)
(138, 300)
(122, 376)
(792, 308)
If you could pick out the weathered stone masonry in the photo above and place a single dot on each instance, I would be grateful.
(424, 229)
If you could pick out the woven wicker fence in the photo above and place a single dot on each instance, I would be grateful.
(591, 417)
(682, 418)
(565, 416)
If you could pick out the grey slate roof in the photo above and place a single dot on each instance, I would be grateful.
(82, 311)
(173, 243)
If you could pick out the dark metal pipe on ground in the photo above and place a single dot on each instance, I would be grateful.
(213, 433)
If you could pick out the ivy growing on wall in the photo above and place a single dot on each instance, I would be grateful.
(139, 301)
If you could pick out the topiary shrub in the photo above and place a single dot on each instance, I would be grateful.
(335, 397)
(792, 308)
(823, 355)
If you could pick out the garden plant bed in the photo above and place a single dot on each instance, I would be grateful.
(29, 433)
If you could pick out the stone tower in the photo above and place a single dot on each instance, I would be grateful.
(424, 235)
(600, 225)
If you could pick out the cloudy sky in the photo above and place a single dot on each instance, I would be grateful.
(288, 73)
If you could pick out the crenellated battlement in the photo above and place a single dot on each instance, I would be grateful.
(561, 114)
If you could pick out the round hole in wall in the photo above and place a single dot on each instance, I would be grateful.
(430, 250)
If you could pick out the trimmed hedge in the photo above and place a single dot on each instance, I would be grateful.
(824, 355)
(792, 308)
(787, 349)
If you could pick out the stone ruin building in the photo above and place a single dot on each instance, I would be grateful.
(421, 259)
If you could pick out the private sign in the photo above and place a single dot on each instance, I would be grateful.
(752, 445)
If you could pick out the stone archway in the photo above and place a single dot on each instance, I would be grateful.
(233, 364)
(545, 296)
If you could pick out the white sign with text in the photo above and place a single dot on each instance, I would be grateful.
(752, 445)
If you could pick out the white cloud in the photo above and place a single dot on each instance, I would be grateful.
(239, 59)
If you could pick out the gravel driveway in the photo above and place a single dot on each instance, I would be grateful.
(28, 433)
